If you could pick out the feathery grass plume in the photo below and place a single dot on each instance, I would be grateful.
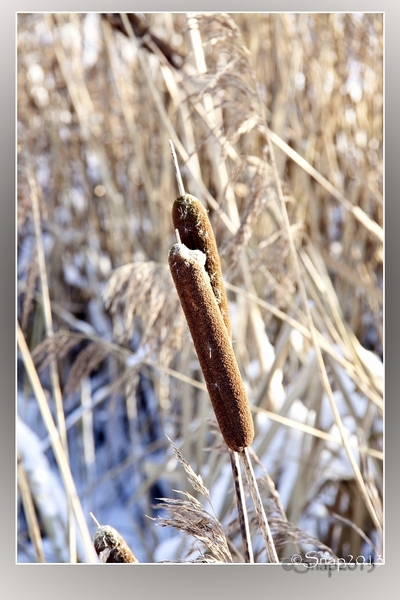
(191, 517)
(87, 361)
(191, 220)
(213, 346)
(285, 532)
(60, 344)
(111, 547)
(195, 480)
(141, 294)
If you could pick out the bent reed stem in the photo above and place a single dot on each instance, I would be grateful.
(261, 516)
(241, 506)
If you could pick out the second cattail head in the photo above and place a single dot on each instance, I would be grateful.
(111, 547)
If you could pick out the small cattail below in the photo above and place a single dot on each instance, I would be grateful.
(191, 220)
(213, 346)
(111, 547)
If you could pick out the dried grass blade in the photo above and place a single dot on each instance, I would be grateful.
(356, 211)
(30, 513)
(56, 444)
(321, 366)
(55, 381)
(195, 480)
(172, 134)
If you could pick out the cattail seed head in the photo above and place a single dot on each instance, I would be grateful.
(213, 346)
(191, 219)
(111, 547)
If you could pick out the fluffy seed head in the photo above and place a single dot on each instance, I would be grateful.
(213, 346)
(191, 219)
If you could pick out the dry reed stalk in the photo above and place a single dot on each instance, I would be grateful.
(171, 132)
(73, 74)
(270, 484)
(350, 368)
(241, 506)
(317, 433)
(360, 532)
(226, 29)
(29, 293)
(320, 362)
(56, 444)
(261, 516)
(214, 114)
(55, 381)
(356, 211)
(30, 514)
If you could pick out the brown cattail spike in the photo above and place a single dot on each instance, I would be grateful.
(213, 346)
(111, 547)
(191, 219)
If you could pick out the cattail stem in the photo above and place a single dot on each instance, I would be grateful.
(178, 237)
(241, 506)
(261, 516)
(177, 170)
(95, 520)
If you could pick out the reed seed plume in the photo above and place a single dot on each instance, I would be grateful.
(60, 344)
(191, 219)
(213, 346)
(191, 517)
(195, 480)
(87, 361)
(141, 294)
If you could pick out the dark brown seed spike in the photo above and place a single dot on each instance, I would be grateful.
(213, 346)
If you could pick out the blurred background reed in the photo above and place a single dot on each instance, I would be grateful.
(270, 113)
